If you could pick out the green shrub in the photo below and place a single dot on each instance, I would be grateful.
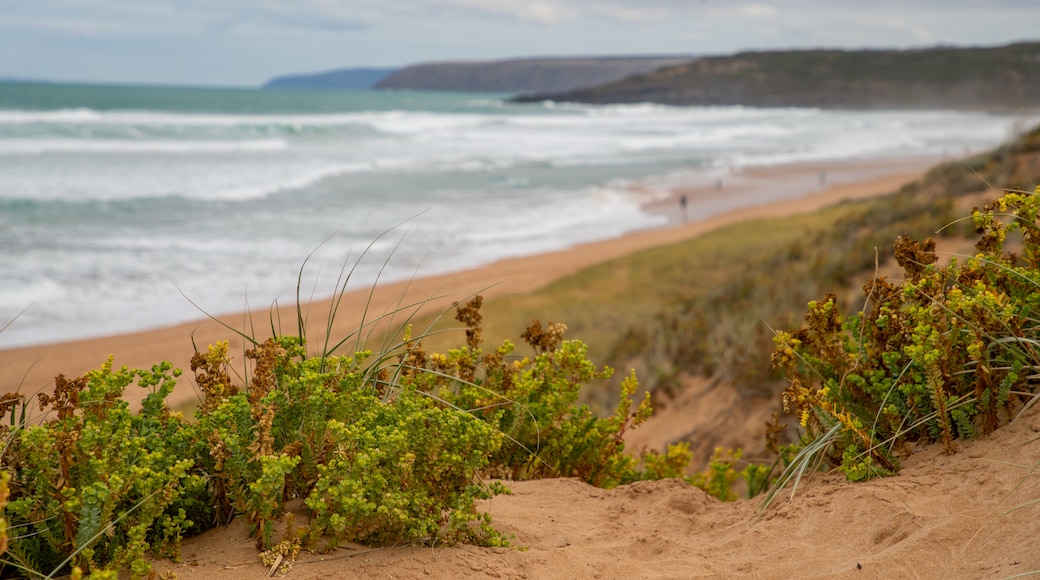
(719, 479)
(532, 402)
(946, 354)
(371, 468)
(388, 449)
(391, 449)
(98, 486)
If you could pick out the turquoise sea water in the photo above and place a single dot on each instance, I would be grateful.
(116, 200)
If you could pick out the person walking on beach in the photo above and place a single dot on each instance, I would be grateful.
(682, 206)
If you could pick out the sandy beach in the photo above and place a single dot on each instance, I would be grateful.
(805, 186)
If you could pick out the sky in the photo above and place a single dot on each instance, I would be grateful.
(247, 42)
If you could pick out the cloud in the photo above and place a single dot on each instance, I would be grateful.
(557, 12)
(628, 14)
(158, 18)
(544, 12)
(76, 27)
(311, 15)
(904, 27)
(752, 11)
(241, 41)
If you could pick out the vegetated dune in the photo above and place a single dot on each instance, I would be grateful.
(969, 514)
(943, 516)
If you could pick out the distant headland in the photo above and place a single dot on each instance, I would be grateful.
(523, 75)
(345, 78)
(1005, 78)
(504, 76)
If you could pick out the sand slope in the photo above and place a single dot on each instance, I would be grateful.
(940, 518)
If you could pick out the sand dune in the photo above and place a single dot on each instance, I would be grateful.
(944, 516)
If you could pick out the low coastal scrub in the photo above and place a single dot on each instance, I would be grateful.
(386, 449)
(723, 328)
(97, 484)
(951, 352)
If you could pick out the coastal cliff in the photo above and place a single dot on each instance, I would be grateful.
(1003, 78)
(522, 75)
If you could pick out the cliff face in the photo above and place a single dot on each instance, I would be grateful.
(1003, 78)
(544, 75)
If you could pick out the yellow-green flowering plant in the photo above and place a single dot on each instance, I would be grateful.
(948, 353)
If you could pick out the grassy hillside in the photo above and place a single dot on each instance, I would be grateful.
(1001, 78)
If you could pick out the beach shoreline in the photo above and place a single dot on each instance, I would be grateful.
(753, 193)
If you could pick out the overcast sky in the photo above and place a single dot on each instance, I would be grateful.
(246, 42)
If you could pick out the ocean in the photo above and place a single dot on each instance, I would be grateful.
(121, 205)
